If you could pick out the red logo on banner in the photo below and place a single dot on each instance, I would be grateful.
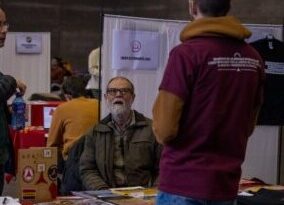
(28, 174)
(135, 46)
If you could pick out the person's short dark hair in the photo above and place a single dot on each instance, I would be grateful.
(214, 8)
(74, 86)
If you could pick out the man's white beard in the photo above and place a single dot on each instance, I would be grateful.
(118, 109)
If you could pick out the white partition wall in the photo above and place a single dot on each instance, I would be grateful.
(262, 156)
(146, 82)
(33, 69)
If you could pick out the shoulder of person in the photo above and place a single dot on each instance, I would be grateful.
(140, 118)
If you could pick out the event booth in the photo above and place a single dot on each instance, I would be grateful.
(120, 37)
(138, 49)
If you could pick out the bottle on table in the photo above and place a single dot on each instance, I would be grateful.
(18, 114)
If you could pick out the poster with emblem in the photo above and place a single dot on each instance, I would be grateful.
(28, 43)
(37, 173)
(135, 50)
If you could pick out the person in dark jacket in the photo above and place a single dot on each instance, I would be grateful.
(8, 86)
(121, 150)
(71, 180)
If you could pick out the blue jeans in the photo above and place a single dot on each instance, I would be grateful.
(171, 199)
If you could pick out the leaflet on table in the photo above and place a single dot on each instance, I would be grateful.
(120, 193)
(75, 200)
(9, 200)
(100, 194)
(136, 192)
(132, 201)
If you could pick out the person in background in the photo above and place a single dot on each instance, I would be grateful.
(121, 150)
(68, 68)
(206, 108)
(8, 86)
(73, 118)
(59, 71)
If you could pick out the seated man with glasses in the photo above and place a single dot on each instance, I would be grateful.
(121, 150)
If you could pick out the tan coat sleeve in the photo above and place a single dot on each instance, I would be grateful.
(55, 134)
(167, 111)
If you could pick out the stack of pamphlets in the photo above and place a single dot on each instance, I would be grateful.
(122, 196)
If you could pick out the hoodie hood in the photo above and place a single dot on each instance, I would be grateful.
(215, 26)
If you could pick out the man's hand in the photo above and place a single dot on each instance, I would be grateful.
(21, 86)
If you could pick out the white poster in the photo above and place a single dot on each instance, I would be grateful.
(30, 43)
(47, 116)
(135, 49)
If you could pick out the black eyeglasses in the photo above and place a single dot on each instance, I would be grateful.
(123, 91)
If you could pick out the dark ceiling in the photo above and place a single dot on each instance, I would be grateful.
(75, 24)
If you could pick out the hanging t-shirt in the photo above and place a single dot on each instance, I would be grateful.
(272, 52)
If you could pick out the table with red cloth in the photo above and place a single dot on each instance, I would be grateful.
(26, 138)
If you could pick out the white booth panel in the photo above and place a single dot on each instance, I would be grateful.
(262, 154)
(33, 69)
